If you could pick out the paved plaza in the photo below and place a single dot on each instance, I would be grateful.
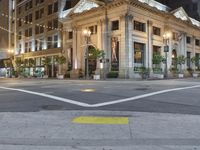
(47, 114)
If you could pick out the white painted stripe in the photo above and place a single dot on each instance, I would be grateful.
(49, 96)
(99, 104)
(143, 96)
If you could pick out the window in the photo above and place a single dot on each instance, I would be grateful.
(55, 7)
(49, 41)
(26, 33)
(70, 35)
(188, 59)
(139, 26)
(156, 31)
(26, 47)
(197, 43)
(115, 25)
(198, 63)
(39, 29)
(50, 26)
(55, 23)
(55, 44)
(188, 40)
(50, 9)
(139, 49)
(19, 10)
(175, 36)
(39, 14)
(30, 32)
(20, 23)
(20, 36)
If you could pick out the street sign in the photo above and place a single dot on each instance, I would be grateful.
(166, 48)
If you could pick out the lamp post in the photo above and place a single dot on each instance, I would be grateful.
(166, 40)
(10, 52)
(87, 34)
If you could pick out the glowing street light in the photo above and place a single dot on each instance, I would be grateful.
(166, 40)
(87, 34)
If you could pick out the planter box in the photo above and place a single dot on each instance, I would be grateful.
(96, 77)
(195, 75)
(60, 76)
(159, 76)
(45, 77)
(180, 75)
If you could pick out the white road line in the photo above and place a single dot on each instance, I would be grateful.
(49, 96)
(100, 104)
(143, 96)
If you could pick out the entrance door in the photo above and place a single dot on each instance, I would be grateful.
(92, 62)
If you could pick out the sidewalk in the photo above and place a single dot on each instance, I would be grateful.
(54, 130)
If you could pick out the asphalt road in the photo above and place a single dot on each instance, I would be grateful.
(184, 101)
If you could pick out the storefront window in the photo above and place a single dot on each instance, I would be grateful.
(139, 49)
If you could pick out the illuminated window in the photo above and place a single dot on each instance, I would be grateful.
(139, 49)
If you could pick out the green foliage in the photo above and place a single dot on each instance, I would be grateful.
(113, 74)
(96, 53)
(46, 61)
(181, 60)
(157, 59)
(32, 62)
(61, 60)
(19, 62)
(195, 60)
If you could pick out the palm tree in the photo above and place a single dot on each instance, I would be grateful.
(46, 62)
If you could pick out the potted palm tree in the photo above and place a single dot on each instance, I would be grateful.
(181, 61)
(46, 62)
(195, 61)
(61, 60)
(96, 53)
(157, 70)
(19, 67)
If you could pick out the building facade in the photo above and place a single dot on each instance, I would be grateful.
(6, 38)
(39, 33)
(129, 32)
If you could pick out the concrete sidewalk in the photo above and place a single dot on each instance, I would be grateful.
(54, 130)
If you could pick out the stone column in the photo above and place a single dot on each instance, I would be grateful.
(75, 72)
(193, 50)
(149, 50)
(126, 46)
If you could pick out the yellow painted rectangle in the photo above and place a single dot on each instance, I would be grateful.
(100, 120)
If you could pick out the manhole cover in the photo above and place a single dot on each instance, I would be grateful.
(51, 107)
(141, 89)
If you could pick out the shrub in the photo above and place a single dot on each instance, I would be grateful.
(113, 74)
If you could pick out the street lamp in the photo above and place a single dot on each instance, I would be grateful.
(87, 34)
(10, 52)
(166, 40)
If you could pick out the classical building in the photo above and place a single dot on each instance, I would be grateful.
(129, 32)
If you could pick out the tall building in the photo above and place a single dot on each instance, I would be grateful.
(5, 27)
(39, 32)
(192, 7)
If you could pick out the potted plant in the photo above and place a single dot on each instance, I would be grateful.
(157, 70)
(96, 53)
(181, 61)
(61, 60)
(46, 62)
(195, 61)
(144, 72)
(19, 67)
